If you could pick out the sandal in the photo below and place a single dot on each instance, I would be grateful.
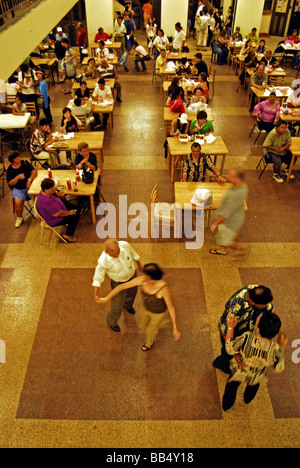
(69, 241)
(145, 348)
(66, 91)
(216, 252)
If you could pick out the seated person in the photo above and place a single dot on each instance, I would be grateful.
(80, 110)
(90, 69)
(198, 65)
(102, 93)
(198, 96)
(85, 158)
(69, 121)
(102, 36)
(83, 92)
(293, 38)
(177, 104)
(195, 166)
(252, 36)
(183, 68)
(201, 125)
(220, 48)
(261, 48)
(41, 138)
(277, 146)
(171, 89)
(102, 51)
(268, 112)
(19, 107)
(203, 83)
(179, 126)
(19, 175)
(269, 60)
(251, 60)
(107, 70)
(294, 98)
(56, 210)
(161, 60)
(246, 48)
(259, 78)
(237, 36)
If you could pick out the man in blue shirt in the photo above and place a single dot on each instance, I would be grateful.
(129, 31)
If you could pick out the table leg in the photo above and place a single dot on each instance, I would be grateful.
(92, 203)
(291, 168)
(222, 163)
(172, 157)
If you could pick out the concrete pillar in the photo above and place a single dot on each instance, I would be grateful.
(99, 15)
(172, 12)
(248, 15)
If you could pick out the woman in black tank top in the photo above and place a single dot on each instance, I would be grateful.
(158, 307)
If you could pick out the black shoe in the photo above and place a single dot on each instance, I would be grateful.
(116, 328)
(119, 99)
(131, 310)
(222, 367)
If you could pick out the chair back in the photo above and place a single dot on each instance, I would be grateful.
(85, 126)
(276, 80)
(44, 224)
(31, 108)
(10, 98)
(154, 195)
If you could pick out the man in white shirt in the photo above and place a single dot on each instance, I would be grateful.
(179, 38)
(119, 32)
(140, 56)
(294, 99)
(118, 262)
(103, 93)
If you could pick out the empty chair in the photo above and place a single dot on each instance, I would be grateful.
(162, 213)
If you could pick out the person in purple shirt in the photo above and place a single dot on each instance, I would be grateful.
(56, 210)
(268, 113)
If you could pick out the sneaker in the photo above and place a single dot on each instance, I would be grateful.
(285, 172)
(18, 222)
(277, 177)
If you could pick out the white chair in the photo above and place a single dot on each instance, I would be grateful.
(163, 214)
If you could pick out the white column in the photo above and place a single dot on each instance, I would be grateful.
(172, 12)
(99, 15)
(248, 15)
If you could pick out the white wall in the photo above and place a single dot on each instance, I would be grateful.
(99, 15)
(19, 39)
(248, 15)
(172, 12)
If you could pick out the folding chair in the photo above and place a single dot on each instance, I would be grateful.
(44, 225)
(259, 131)
(265, 160)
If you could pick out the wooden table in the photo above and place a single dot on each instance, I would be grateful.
(178, 149)
(92, 83)
(184, 192)
(293, 117)
(94, 140)
(275, 72)
(84, 190)
(114, 46)
(48, 63)
(295, 149)
(240, 59)
(13, 122)
(113, 62)
(282, 93)
(169, 116)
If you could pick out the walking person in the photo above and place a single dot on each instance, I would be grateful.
(258, 352)
(158, 311)
(118, 262)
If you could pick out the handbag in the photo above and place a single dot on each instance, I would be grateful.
(87, 175)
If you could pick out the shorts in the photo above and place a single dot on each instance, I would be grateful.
(20, 194)
(225, 236)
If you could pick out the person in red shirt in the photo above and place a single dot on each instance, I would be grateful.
(102, 36)
(294, 38)
(82, 40)
(147, 12)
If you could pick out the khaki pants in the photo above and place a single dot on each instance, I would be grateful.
(152, 323)
(123, 299)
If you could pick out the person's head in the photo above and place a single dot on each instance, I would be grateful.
(237, 29)
(163, 53)
(65, 43)
(262, 43)
(294, 32)
(83, 148)
(178, 27)
(281, 127)
(77, 102)
(179, 92)
(272, 98)
(236, 176)
(59, 31)
(40, 74)
(184, 61)
(196, 150)
(203, 77)
(183, 119)
(104, 63)
(201, 117)
(251, 53)
(253, 31)
(91, 62)
(112, 248)
(135, 44)
(101, 45)
(14, 158)
(175, 82)
(153, 272)
(48, 186)
(268, 54)
(198, 92)
(160, 33)
(119, 20)
(198, 57)
(67, 112)
(83, 86)
(223, 33)
(45, 125)
(24, 68)
(269, 325)
(259, 297)
(248, 43)
(18, 100)
(260, 70)
(100, 31)
(101, 83)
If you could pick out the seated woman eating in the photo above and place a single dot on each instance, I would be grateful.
(69, 121)
(198, 96)
(56, 210)
(201, 125)
(203, 84)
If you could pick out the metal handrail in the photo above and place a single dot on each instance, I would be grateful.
(11, 6)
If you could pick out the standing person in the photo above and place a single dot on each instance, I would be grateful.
(277, 146)
(147, 10)
(129, 37)
(203, 21)
(231, 214)
(70, 64)
(82, 40)
(158, 307)
(28, 81)
(258, 351)
(151, 30)
(60, 53)
(43, 89)
(19, 175)
(161, 42)
(118, 262)
(179, 38)
(119, 32)
(141, 56)
(246, 305)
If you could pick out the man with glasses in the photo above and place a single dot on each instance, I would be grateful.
(118, 262)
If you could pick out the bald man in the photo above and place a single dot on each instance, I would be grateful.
(119, 262)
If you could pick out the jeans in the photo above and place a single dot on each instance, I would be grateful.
(142, 61)
(222, 54)
(278, 160)
(231, 391)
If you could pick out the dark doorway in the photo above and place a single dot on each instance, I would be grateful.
(279, 17)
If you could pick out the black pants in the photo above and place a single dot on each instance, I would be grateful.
(222, 361)
(71, 220)
(47, 113)
(231, 391)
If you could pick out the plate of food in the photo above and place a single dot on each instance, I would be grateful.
(183, 138)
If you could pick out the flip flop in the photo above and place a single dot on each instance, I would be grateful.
(216, 252)
(145, 348)
(69, 241)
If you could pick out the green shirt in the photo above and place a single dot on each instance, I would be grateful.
(207, 127)
(232, 207)
(278, 141)
(252, 38)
